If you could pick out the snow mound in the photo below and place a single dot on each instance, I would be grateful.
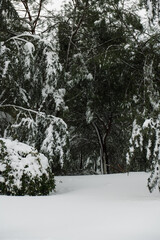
(23, 171)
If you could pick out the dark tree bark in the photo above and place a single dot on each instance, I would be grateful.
(102, 140)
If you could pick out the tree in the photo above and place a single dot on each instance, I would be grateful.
(32, 97)
(30, 13)
(9, 19)
(99, 64)
(144, 149)
(144, 143)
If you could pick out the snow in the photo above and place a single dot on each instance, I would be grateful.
(22, 159)
(113, 207)
(59, 99)
(55, 139)
(29, 48)
(147, 123)
(89, 115)
(136, 138)
(150, 10)
(5, 68)
(16, 147)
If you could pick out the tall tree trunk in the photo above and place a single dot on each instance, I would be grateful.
(103, 151)
(81, 160)
(101, 146)
(102, 138)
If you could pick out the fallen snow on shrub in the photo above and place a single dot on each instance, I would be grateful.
(23, 171)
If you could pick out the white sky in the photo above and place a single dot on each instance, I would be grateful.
(56, 4)
(52, 5)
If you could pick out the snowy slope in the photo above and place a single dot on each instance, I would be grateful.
(110, 207)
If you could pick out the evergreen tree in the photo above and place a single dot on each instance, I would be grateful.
(144, 149)
(99, 60)
(32, 97)
(9, 19)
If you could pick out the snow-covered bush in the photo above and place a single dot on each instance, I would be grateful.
(46, 133)
(23, 171)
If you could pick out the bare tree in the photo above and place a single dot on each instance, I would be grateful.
(30, 12)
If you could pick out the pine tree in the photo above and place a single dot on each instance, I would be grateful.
(99, 77)
(32, 98)
(9, 18)
(144, 149)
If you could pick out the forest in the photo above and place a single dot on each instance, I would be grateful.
(79, 91)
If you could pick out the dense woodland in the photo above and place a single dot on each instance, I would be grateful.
(82, 85)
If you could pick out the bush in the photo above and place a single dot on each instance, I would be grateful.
(23, 171)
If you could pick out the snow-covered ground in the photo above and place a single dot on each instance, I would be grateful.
(110, 207)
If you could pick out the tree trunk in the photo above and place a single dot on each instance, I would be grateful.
(102, 139)
(101, 146)
(81, 160)
(103, 151)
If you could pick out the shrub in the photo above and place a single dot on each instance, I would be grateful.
(23, 171)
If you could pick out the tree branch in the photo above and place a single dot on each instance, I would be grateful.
(74, 32)
(38, 15)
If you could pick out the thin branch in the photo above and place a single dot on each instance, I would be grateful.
(25, 3)
(38, 15)
(74, 32)
(98, 134)
(18, 107)
(101, 120)
(18, 37)
(119, 169)
(41, 114)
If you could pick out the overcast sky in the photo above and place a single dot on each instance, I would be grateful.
(56, 4)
